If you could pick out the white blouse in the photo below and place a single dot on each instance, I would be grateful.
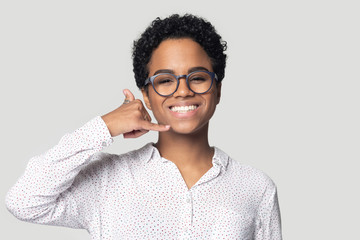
(140, 195)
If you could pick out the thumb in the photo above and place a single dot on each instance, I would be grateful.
(128, 95)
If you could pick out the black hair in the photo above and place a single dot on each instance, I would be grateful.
(176, 27)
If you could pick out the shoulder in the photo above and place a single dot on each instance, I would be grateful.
(249, 177)
(250, 174)
(245, 176)
(103, 162)
(244, 186)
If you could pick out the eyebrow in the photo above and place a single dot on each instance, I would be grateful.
(164, 71)
(193, 69)
(198, 69)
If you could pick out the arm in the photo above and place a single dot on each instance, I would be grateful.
(43, 194)
(268, 223)
(53, 190)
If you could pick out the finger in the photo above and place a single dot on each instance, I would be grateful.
(146, 116)
(128, 95)
(155, 127)
(135, 133)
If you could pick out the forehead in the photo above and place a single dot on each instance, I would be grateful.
(178, 55)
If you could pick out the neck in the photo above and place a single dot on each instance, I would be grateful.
(187, 151)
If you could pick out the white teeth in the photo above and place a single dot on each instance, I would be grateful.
(183, 109)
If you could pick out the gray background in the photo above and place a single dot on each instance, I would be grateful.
(290, 101)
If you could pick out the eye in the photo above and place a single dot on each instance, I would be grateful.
(199, 77)
(165, 81)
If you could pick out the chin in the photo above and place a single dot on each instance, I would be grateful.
(187, 129)
(184, 131)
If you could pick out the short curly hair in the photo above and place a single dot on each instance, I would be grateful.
(176, 27)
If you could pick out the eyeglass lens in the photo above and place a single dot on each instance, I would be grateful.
(166, 84)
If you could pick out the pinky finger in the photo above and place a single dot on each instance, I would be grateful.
(135, 133)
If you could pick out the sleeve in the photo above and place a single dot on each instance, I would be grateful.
(268, 222)
(47, 193)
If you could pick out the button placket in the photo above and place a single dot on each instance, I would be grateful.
(188, 209)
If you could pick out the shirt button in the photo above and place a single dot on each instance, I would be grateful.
(104, 144)
(188, 200)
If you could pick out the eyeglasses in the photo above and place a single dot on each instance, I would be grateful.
(166, 84)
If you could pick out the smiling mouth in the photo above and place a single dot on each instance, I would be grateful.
(183, 109)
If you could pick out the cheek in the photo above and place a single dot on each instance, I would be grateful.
(213, 98)
(212, 105)
(155, 103)
(152, 99)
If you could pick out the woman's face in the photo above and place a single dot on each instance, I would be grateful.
(181, 56)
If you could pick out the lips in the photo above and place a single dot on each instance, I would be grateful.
(184, 109)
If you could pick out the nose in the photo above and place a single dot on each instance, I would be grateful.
(183, 89)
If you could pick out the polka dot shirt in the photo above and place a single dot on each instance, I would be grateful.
(140, 195)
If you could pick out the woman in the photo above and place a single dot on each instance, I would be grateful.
(178, 188)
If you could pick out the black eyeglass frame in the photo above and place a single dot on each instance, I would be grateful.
(152, 78)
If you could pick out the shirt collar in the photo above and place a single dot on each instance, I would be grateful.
(220, 158)
(151, 152)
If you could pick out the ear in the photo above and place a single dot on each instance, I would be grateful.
(218, 92)
(146, 98)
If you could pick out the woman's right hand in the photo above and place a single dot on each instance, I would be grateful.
(131, 119)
